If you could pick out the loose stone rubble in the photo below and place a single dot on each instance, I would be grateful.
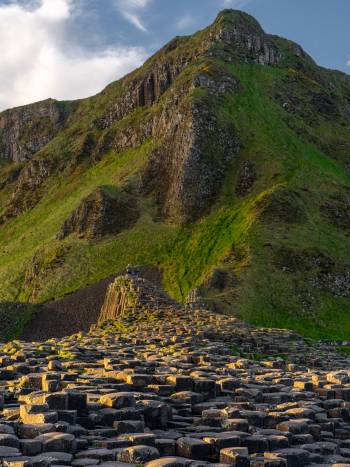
(178, 389)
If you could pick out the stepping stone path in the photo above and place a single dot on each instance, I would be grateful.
(177, 389)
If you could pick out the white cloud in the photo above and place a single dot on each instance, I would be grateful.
(40, 58)
(55, 10)
(185, 22)
(135, 20)
(131, 10)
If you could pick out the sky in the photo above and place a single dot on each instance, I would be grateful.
(69, 49)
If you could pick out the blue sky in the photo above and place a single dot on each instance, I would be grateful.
(70, 49)
(320, 26)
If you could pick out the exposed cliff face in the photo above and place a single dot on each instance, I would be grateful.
(27, 191)
(240, 37)
(142, 91)
(101, 213)
(26, 130)
(197, 146)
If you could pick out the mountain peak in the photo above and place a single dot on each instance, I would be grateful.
(237, 36)
(238, 19)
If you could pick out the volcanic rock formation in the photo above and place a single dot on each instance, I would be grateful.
(130, 295)
(185, 388)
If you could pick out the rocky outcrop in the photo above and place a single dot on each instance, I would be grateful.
(25, 130)
(318, 271)
(101, 213)
(193, 162)
(336, 283)
(27, 191)
(186, 170)
(290, 260)
(337, 211)
(73, 313)
(194, 146)
(131, 296)
(242, 38)
(195, 300)
(246, 178)
(142, 91)
(285, 206)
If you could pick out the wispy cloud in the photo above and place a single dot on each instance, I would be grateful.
(135, 20)
(131, 10)
(185, 22)
(36, 62)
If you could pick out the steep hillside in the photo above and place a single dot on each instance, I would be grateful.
(224, 161)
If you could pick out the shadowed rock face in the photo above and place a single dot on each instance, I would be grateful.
(142, 92)
(286, 206)
(28, 190)
(246, 178)
(337, 211)
(194, 146)
(100, 214)
(186, 170)
(26, 130)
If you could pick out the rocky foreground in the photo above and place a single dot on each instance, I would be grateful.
(174, 387)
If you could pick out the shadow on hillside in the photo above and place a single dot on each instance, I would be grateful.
(14, 316)
(74, 312)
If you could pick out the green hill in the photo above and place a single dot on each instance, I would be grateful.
(224, 161)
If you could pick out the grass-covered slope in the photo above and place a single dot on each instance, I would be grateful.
(287, 263)
(269, 244)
